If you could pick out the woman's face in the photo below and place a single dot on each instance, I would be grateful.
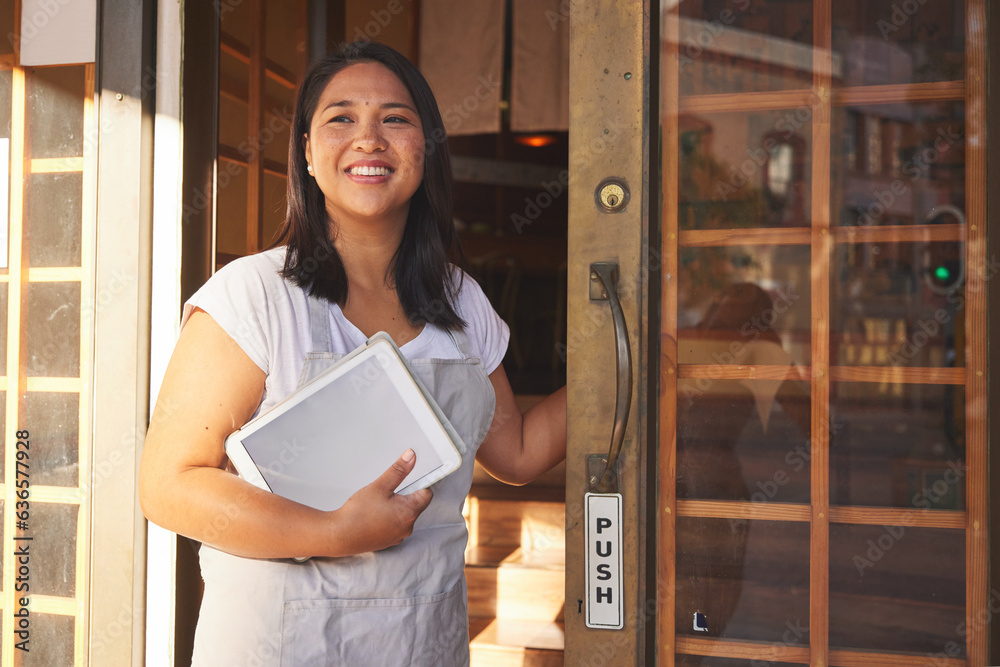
(366, 145)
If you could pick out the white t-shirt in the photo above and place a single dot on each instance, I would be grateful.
(268, 317)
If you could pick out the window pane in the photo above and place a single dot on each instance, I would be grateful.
(51, 642)
(53, 419)
(897, 445)
(53, 329)
(750, 579)
(727, 47)
(898, 304)
(231, 227)
(5, 103)
(274, 207)
(233, 125)
(3, 326)
(744, 305)
(7, 27)
(55, 219)
(898, 164)
(235, 19)
(743, 440)
(55, 111)
(897, 588)
(745, 170)
(279, 104)
(890, 42)
(53, 529)
(281, 43)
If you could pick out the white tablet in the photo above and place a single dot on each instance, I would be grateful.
(344, 428)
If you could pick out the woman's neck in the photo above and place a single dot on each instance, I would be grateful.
(367, 250)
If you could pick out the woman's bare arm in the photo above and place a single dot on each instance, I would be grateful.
(519, 448)
(210, 389)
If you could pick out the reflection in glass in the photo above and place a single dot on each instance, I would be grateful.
(745, 170)
(727, 47)
(884, 42)
(897, 445)
(898, 304)
(898, 164)
(773, 306)
(743, 440)
(897, 588)
(749, 579)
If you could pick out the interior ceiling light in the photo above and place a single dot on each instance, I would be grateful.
(535, 140)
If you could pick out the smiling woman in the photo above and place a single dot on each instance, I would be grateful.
(366, 235)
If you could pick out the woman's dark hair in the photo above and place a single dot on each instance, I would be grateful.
(420, 266)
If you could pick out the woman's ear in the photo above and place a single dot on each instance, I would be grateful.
(307, 148)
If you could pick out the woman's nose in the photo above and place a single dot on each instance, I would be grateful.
(369, 137)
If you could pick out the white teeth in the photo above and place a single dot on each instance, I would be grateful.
(369, 171)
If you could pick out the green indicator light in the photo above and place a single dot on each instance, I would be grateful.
(942, 273)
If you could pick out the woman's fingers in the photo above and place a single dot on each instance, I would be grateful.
(383, 518)
(397, 472)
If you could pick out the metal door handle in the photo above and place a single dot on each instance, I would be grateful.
(604, 277)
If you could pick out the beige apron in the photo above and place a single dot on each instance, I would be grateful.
(405, 605)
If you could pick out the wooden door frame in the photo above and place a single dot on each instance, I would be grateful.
(993, 318)
(612, 125)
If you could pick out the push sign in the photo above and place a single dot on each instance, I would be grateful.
(604, 561)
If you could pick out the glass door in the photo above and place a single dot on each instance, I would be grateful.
(822, 429)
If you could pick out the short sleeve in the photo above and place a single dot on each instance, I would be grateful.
(488, 334)
(236, 298)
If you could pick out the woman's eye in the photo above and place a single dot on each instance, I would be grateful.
(340, 119)
(396, 119)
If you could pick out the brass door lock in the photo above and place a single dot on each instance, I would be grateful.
(611, 195)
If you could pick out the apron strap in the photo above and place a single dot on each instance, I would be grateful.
(461, 341)
(319, 324)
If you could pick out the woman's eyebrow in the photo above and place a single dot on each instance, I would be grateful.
(386, 105)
